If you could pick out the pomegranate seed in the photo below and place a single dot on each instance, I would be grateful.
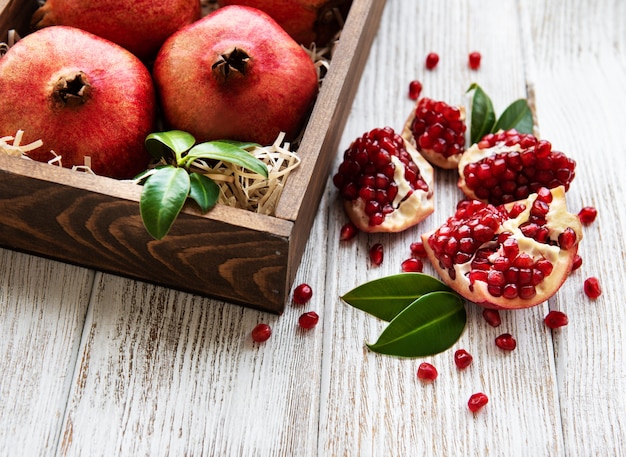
(261, 333)
(412, 265)
(348, 231)
(427, 372)
(592, 287)
(376, 254)
(506, 342)
(462, 359)
(492, 316)
(308, 320)
(477, 401)
(415, 89)
(432, 60)
(578, 261)
(474, 60)
(587, 214)
(555, 319)
(302, 294)
(418, 250)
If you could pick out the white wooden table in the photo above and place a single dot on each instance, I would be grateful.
(94, 364)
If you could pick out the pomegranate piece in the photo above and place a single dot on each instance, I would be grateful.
(412, 265)
(508, 166)
(308, 320)
(587, 214)
(492, 317)
(506, 342)
(474, 60)
(592, 287)
(386, 185)
(302, 294)
(348, 231)
(261, 333)
(510, 256)
(432, 59)
(477, 401)
(555, 319)
(427, 372)
(415, 89)
(377, 254)
(437, 130)
(462, 359)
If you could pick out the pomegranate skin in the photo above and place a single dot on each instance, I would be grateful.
(141, 26)
(270, 89)
(108, 121)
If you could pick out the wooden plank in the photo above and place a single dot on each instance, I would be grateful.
(42, 311)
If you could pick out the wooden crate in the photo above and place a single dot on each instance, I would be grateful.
(232, 254)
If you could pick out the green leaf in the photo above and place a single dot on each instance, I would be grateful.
(428, 326)
(163, 196)
(516, 116)
(387, 297)
(226, 151)
(204, 191)
(483, 116)
(177, 142)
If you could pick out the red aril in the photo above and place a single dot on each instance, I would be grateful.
(587, 214)
(462, 359)
(418, 250)
(376, 254)
(348, 231)
(415, 89)
(474, 60)
(432, 59)
(506, 342)
(555, 319)
(302, 294)
(261, 333)
(427, 372)
(578, 261)
(308, 320)
(477, 401)
(592, 287)
(492, 317)
(412, 265)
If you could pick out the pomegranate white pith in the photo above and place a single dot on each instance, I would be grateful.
(513, 256)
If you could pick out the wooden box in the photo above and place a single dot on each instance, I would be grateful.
(231, 254)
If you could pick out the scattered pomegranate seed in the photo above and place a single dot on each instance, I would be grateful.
(506, 342)
(587, 214)
(432, 60)
(578, 261)
(415, 89)
(492, 316)
(477, 401)
(474, 60)
(261, 333)
(462, 359)
(592, 287)
(308, 320)
(348, 231)
(302, 294)
(418, 250)
(412, 265)
(376, 254)
(427, 372)
(555, 319)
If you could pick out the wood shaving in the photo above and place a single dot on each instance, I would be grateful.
(12, 145)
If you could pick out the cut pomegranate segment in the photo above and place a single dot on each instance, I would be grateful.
(508, 166)
(387, 186)
(510, 256)
(437, 130)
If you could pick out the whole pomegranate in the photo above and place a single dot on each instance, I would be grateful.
(386, 185)
(307, 21)
(82, 95)
(235, 74)
(511, 256)
(141, 26)
(508, 166)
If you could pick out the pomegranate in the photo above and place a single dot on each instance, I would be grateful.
(510, 256)
(306, 21)
(139, 26)
(387, 186)
(235, 74)
(437, 130)
(508, 166)
(83, 96)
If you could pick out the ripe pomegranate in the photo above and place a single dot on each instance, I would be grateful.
(511, 256)
(387, 186)
(235, 74)
(139, 26)
(82, 95)
(508, 166)
(437, 130)
(306, 21)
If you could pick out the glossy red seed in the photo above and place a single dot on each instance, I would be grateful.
(412, 265)
(578, 261)
(587, 214)
(474, 60)
(261, 333)
(492, 316)
(302, 294)
(308, 320)
(506, 342)
(418, 250)
(555, 319)
(377, 254)
(592, 287)
(415, 89)
(462, 359)
(432, 60)
(427, 372)
(348, 231)
(477, 401)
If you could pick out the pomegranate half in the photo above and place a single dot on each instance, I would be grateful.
(83, 96)
(506, 257)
